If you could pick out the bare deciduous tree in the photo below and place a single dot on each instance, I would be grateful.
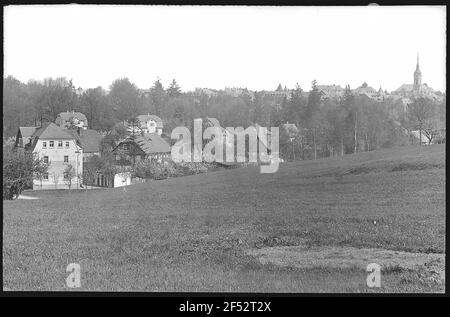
(69, 175)
(419, 111)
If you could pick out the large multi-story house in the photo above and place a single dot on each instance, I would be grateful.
(278, 94)
(65, 145)
(59, 149)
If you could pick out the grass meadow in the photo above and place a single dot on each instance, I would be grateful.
(192, 234)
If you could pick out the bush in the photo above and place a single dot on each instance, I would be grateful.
(193, 168)
(149, 169)
(19, 168)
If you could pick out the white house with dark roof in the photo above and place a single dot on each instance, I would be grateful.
(150, 123)
(71, 118)
(57, 147)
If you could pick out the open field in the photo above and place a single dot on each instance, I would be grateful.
(197, 233)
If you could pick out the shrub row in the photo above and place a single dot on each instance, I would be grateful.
(149, 169)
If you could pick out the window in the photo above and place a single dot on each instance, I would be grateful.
(67, 144)
(52, 144)
(46, 176)
(44, 145)
(60, 144)
(46, 159)
(66, 158)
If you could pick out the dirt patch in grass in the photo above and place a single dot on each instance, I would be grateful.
(430, 266)
(415, 166)
(396, 167)
(360, 170)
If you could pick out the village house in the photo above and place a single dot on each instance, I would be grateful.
(67, 142)
(70, 119)
(149, 123)
(130, 151)
(58, 148)
(139, 147)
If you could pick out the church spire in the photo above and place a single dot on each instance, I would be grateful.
(417, 66)
(417, 75)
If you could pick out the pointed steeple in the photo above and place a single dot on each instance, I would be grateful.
(417, 76)
(417, 66)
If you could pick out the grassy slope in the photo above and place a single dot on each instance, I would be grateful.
(191, 233)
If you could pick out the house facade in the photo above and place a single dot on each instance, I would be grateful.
(64, 154)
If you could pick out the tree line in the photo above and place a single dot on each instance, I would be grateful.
(323, 127)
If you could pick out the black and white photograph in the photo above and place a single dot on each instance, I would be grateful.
(206, 149)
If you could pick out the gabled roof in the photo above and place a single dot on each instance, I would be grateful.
(144, 118)
(149, 143)
(89, 139)
(49, 130)
(24, 134)
(27, 132)
(153, 143)
(406, 87)
(75, 114)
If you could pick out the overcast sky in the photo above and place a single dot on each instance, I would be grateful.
(217, 47)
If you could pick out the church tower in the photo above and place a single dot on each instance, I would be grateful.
(417, 75)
